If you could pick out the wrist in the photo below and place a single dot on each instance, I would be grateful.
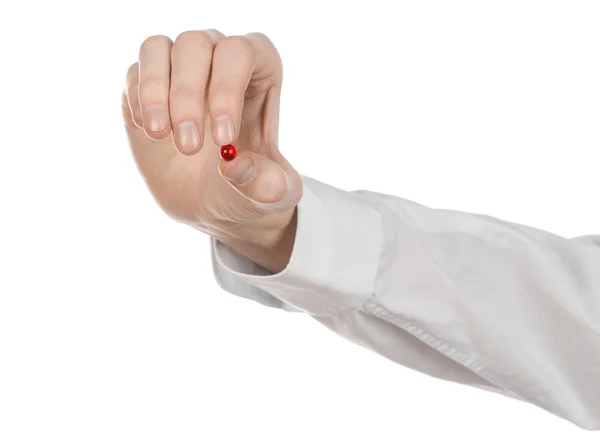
(268, 242)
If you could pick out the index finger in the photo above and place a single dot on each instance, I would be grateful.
(242, 66)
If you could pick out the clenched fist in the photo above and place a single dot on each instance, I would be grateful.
(182, 101)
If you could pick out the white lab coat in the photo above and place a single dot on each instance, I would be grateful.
(463, 297)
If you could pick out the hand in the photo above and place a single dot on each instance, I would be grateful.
(183, 100)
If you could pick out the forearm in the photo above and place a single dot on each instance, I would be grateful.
(464, 297)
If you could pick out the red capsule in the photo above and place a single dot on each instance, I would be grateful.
(228, 152)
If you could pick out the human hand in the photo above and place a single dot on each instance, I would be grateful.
(175, 106)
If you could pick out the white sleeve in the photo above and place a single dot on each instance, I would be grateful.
(459, 296)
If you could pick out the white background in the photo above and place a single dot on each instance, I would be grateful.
(111, 323)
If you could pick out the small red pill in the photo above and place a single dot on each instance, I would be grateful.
(228, 152)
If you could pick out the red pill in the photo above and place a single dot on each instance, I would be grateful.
(228, 152)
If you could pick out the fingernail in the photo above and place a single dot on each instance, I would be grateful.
(223, 130)
(157, 118)
(187, 136)
(239, 170)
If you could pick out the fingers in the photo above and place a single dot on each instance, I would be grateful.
(171, 84)
(268, 61)
(154, 82)
(126, 110)
(234, 59)
(269, 186)
(131, 94)
(191, 57)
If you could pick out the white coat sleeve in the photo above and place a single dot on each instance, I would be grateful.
(463, 297)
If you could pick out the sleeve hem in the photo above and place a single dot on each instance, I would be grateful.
(334, 260)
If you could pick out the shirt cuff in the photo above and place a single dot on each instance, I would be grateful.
(334, 260)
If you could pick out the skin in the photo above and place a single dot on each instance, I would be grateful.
(176, 98)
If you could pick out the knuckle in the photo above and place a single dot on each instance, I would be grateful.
(193, 37)
(261, 36)
(238, 42)
(132, 74)
(264, 42)
(151, 85)
(155, 40)
(183, 96)
(225, 93)
(133, 69)
(213, 33)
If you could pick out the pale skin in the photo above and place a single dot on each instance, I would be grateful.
(176, 102)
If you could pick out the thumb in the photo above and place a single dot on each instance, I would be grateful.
(271, 186)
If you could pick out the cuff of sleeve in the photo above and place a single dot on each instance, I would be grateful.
(334, 260)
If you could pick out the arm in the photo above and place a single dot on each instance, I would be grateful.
(464, 297)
